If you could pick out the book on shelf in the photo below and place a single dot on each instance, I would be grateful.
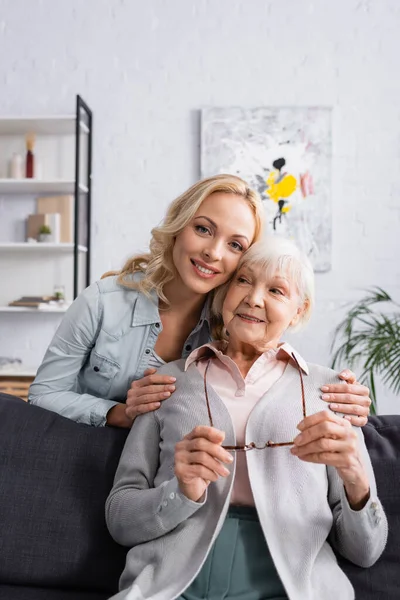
(41, 302)
(64, 205)
(51, 220)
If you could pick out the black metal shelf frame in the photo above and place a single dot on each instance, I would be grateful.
(83, 115)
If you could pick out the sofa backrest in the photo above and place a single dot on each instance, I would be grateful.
(382, 580)
(55, 476)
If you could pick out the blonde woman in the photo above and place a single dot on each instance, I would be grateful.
(241, 484)
(100, 366)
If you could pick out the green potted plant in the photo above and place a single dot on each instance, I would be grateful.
(370, 338)
(44, 234)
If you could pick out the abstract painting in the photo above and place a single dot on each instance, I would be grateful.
(285, 154)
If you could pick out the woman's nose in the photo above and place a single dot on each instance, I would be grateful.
(213, 251)
(255, 298)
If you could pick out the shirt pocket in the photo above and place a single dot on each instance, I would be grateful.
(101, 373)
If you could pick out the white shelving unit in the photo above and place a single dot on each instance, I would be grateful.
(63, 148)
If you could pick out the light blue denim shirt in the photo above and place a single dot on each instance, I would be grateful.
(103, 343)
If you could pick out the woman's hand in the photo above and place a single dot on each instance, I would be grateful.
(146, 394)
(328, 439)
(198, 461)
(350, 398)
(116, 417)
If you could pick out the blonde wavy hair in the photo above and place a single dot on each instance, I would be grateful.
(273, 254)
(157, 265)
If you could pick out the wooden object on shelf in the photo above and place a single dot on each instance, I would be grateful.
(34, 223)
(16, 385)
(64, 205)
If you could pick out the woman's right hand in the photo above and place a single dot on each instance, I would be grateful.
(146, 394)
(199, 459)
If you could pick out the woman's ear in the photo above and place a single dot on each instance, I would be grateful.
(300, 311)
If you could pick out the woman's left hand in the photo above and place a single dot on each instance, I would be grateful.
(350, 398)
(328, 439)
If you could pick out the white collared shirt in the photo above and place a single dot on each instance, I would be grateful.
(240, 395)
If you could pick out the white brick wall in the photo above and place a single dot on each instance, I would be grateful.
(147, 67)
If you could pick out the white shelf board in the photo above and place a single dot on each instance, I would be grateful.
(38, 186)
(27, 309)
(39, 247)
(20, 371)
(41, 125)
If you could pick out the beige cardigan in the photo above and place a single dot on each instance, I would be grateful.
(300, 505)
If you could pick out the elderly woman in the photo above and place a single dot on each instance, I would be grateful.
(206, 519)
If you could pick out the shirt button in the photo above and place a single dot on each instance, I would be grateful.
(188, 347)
(157, 325)
(96, 369)
(147, 351)
(172, 495)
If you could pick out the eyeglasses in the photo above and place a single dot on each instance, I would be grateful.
(253, 445)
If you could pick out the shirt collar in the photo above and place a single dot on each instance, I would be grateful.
(205, 314)
(210, 349)
(285, 351)
(145, 309)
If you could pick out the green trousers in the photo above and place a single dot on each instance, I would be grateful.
(239, 565)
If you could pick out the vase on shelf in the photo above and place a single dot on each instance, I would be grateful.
(45, 234)
(45, 237)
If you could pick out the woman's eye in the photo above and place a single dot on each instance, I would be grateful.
(237, 246)
(276, 291)
(242, 280)
(201, 229)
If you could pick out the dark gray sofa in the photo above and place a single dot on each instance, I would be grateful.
(55, 476)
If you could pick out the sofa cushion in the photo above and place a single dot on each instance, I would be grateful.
(18, 592)
(55, 477)
(382, 580)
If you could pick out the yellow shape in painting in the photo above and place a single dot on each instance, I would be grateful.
(283, 189)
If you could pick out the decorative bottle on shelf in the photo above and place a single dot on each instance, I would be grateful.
(30, 159)
(16, 166)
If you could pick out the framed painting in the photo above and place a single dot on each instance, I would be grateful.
(285, 154)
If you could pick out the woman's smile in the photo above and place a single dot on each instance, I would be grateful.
(204, 270)
(251, 319)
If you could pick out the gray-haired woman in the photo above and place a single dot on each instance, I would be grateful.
(205, 518)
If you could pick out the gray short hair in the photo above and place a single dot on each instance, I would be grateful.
(274, 254)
